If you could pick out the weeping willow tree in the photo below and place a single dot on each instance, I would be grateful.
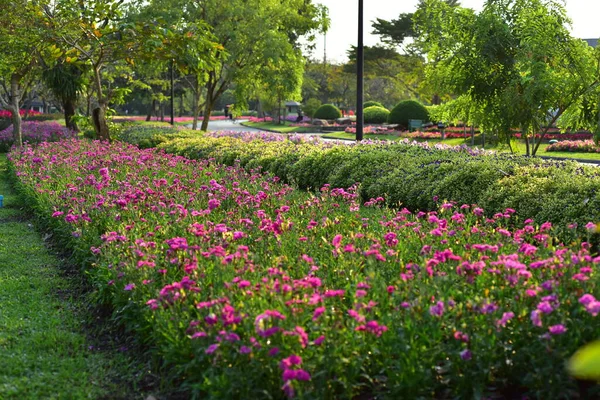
(65, 81)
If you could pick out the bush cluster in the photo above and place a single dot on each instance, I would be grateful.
(372, 103)
(407, 110)
(375, 115)
(328, 112)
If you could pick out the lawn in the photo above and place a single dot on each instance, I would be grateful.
(45, 350)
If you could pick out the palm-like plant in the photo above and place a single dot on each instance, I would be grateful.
(66, 81)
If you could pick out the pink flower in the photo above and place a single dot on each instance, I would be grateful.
(318, 341)
(506, 317)
(336, 241)
(318, 312)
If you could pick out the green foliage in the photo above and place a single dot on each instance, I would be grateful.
(405, 110)
(372, 103)
(515, 62)
(310, 106)
(585, 364)
(328, 111)
(375, 115)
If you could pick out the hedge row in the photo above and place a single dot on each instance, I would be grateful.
(419, 177)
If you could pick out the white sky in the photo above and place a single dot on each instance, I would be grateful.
(344, 15)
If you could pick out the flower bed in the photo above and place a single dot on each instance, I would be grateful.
(34, 132)
(8, 114)
(578, 146)
(246, 287)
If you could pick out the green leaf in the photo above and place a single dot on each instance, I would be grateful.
(585, 364)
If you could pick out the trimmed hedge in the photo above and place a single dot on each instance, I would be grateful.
(419, 177)
(406, 110)
(328, 111)
(375, 115)
(372, 103)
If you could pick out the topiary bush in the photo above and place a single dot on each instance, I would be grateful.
(328, 111)
(375, 115)
(372, 103)
(408, 109)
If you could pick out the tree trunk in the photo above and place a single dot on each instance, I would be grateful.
(207, 112)
(100, 123)
(162, 111)
(99, 113)
(472, 135)
(526, 144)
(196, 103)
(15, 97)
(180, 113)
(69, 106)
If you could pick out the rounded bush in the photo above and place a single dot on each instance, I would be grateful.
(372, 103)
(408, 109)
(328, 111)
(375, 115)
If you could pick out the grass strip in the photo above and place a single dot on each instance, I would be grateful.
(45, 352)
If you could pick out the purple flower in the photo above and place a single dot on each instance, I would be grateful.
(557, 329)
(212, 348)
(466, 355)
(437, 310)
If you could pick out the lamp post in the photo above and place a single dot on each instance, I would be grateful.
(360, 75)
(172, 92)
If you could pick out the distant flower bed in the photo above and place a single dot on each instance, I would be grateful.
(575, 146)
(373, 130)
(35, 132)
(261, 119)
(8, 114)
(264, 136)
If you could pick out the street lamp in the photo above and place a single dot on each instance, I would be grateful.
(172, 92)
(360, 75)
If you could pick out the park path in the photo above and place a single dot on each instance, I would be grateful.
(44, 349)
(228, 125)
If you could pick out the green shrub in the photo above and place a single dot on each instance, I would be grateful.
(405, 110)
(375, 115)
(420, 177)
(328, 111)
(372, 103)
(146, 137)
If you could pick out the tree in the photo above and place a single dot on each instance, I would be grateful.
(396, 31)
(247, 31)
(66, 80)
(515, 61)
(21, 46)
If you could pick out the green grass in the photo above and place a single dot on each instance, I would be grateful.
(284, 128)
(45, 352)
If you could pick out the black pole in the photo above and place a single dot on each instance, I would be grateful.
(359, 75)
(172, 93)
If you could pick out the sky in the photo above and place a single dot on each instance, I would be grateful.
(344, 15)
